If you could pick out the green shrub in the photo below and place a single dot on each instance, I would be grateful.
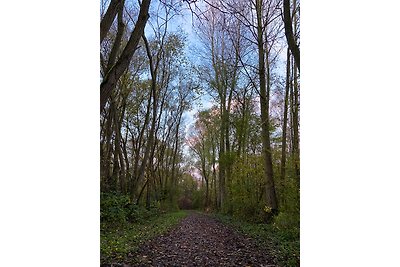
(116, 209)
(286, 220)
(198, 198)
(243, 201)
(112, 208)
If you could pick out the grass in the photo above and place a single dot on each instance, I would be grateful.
(282, 244)
(117, 244)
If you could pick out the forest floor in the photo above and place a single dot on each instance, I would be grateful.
(200, 240)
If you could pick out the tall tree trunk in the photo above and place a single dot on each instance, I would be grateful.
(296, 135)
(285, 113)
(147, 151)
(207, 194)
(116, 169)
(174, 158)
(227, 141)
(118, 38)
(141, 192)
(140, 144)
(149, 145)
(205, 174)
(148, 195)
(118, 150)
(106, 149)
(222, 160)
(214, 173)
(294, 48)
(111, 78)
(264, 102)
(296, 147)
(109, 17)
(127, 168)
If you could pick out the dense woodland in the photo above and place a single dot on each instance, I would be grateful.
(239, 157)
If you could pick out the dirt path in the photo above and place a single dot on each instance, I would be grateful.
(200, 240)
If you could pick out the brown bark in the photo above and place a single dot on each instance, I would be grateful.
(284, 128)
(141, 191)
(264, 102)
(118, 150)
(109, 17)
(214, 172)
(294, 48)
(222, 160)
(125, 156)
(296, 147)
(295, 116)
(111, 78)
(118, 39)
(175, 153)
(140, 143)
(106, 149)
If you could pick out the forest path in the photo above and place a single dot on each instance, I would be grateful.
(199, 240)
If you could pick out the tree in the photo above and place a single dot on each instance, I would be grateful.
(245, 148)
(221, 74)
(201, 142)
(109, 17)
(285, 117)
(290, 37)
(141, 127)
(264, 101)
(114, 73)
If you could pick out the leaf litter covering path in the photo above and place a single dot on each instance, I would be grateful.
(200, 240)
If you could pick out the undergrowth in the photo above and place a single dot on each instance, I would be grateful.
(118, 244)
(124, 226)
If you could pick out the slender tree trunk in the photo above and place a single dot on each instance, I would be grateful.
(296, 147)
(148, 149)
(264, 102)
(214, 174)
(118, 157)
(116, 169)
(285, 113)
(222, 160)
(128, 171)
(174, 157)
(148, 195)
(205, 175)
(118, 140)
(106, 149)
(141, 192)
(150, 141)
(291, 100)
(111, 78)
(229, 162)
(118, 38)
(140, 145)
(294, 48)
(297, 117)
(108, 18)
(207, 194)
